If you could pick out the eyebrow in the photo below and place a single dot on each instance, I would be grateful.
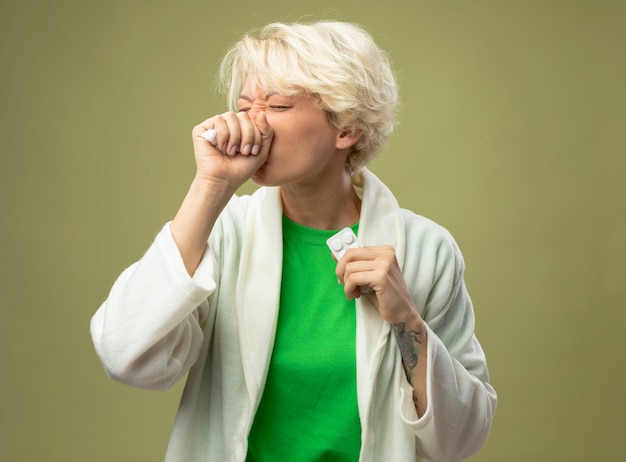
(247, 98)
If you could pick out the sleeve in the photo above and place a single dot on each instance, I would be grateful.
(149, 331)
(461, 401)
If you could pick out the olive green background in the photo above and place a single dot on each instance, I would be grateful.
(511, 135)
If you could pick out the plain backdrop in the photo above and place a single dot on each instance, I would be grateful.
(511, 134)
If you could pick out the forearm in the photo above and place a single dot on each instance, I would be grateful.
(413, 343)
(196, 217)
(149, 330)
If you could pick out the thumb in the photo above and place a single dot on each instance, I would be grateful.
(267, 133)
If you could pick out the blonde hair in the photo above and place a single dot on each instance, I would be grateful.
(336, 63)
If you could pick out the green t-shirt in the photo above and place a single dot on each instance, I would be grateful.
(308, 411)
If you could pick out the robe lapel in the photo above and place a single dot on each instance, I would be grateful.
(258, 287)
(381, 223)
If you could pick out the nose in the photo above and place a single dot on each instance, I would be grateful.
(257, 106)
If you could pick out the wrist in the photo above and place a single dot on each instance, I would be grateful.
(411, 319)
(213, 186)
(404, 312)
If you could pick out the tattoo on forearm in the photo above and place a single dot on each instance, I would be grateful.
(409, 342)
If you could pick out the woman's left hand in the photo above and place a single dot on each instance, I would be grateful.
(376, 268)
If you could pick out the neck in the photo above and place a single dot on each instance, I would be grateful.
(332, 205)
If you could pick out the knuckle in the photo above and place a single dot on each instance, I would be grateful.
(228, 117)
(386, 266)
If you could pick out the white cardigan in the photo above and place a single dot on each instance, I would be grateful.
(159, 324)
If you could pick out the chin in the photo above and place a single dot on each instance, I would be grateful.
(261, 177)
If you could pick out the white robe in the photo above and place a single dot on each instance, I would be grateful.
(159, 324)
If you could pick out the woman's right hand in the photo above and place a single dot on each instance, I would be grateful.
(242, 146)
(221, 169)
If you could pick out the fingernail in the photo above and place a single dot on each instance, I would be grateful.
(255, 149)
(234, 150)
(246, 149)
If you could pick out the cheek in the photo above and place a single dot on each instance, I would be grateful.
(292, 132)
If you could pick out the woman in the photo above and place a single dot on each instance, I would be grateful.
(242, 293)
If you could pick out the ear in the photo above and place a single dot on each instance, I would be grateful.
(346, 139)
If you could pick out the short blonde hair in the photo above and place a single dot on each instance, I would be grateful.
(336, 63)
